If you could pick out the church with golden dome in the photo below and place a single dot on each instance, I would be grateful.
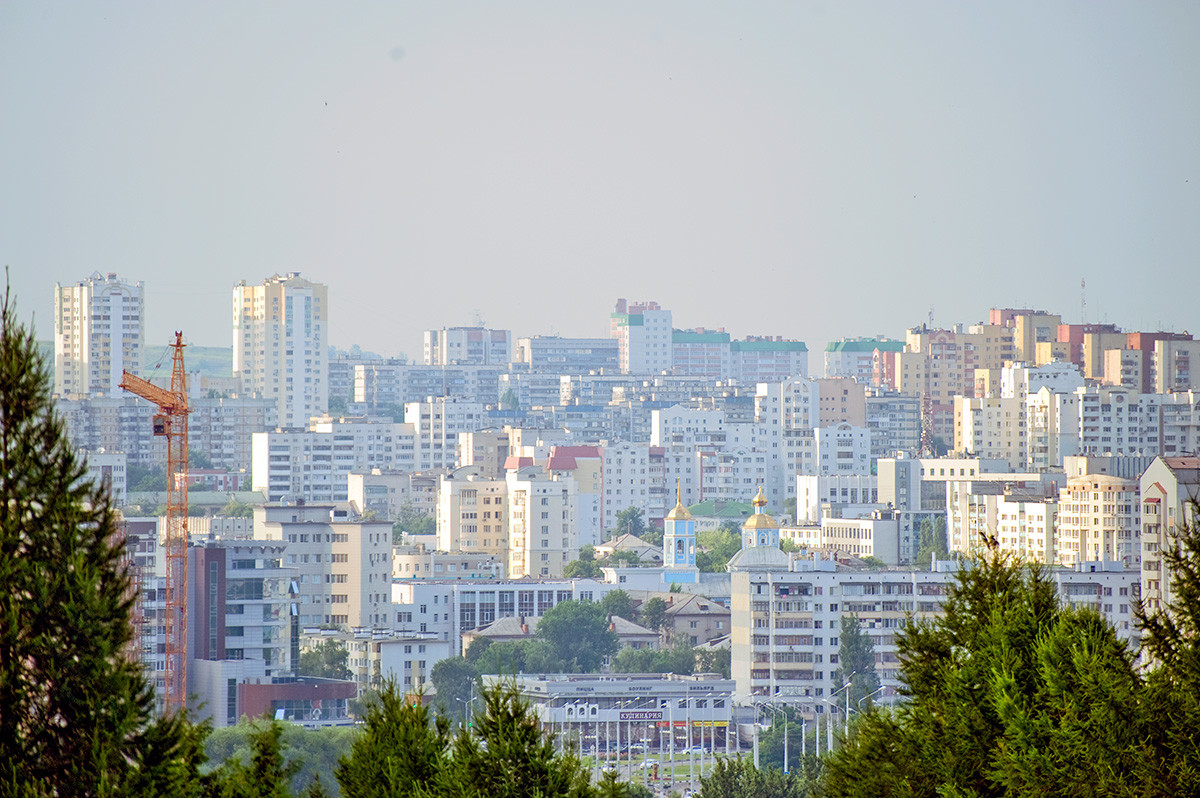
(760, 542)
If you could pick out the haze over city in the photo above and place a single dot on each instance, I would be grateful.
(808, 170)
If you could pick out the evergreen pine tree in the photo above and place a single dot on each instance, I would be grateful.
(268, 774)
(400, 751)
(1169, 639)
(504, 754)
(1008, 693)
(75, 709)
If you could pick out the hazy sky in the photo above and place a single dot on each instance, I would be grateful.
(813, 170)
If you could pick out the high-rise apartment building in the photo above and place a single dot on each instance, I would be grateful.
(767, 359)
(343, 569)
(98, 333)
(542, 535)
(460, 346)
(1169, 488)
(854, 357)
(644, 337)
(552, 354)
(280, 344)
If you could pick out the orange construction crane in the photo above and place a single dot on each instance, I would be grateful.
(171, 421)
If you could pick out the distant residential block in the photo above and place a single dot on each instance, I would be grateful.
(98, 334)
(462, 346)
(280, 345)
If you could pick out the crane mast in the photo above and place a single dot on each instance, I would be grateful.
(171, 421)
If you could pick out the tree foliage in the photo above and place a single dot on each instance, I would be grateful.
(143, 479)
(714, 547)
(404, 750)
(738, 778)
(268, 773)
(785, 734)
(236, 509)
(680, 658)
(75, 708)
(583, 568)
(578, 635)
(453, 679)
(630, 522)
(412, 521)
(504, 754)
(653, 613)
(314, 753)
(618, 602)
(932, 542)
(1169, 638)
(1009, 693)
(714, 660)
(856, 662)
(328, 660)
(627, 557)
(400, 751)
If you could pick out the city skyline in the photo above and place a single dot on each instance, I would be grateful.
(805, 171)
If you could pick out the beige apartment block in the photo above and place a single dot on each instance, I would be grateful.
(1123, 368)
(280, 345)
(1015, 519)
(542, 535)
(386, 491)
(1098, 520)
(991, 428)
(472, 513)
(841, 399)
(1031, 328)
(420, 562)
(487, 449)
(343, 568)
(1095, 344)
(1175, 366)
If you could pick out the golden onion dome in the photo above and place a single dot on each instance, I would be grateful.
(760, 519)
(679, 513)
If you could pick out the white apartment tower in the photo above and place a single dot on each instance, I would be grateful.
(280, 345)
(98, 324)
(480, 346)
(644, 337)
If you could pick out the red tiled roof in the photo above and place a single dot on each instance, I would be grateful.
(512, 461)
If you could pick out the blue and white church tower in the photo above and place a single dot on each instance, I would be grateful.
(679, 543)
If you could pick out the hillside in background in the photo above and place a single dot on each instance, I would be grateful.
(210, 361)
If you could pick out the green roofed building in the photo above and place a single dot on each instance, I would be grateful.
(712, 513)
(854, 357)
(701, 353)
(768, 359)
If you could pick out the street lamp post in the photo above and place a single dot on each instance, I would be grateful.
(467, 707)
(785, 739)
(868, 695)
(849, 680)
(691, 753)
(774, 710)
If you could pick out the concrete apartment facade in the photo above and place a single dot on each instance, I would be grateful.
(280, 345)
(98, 334)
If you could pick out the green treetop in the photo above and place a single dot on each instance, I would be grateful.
(75, 707)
